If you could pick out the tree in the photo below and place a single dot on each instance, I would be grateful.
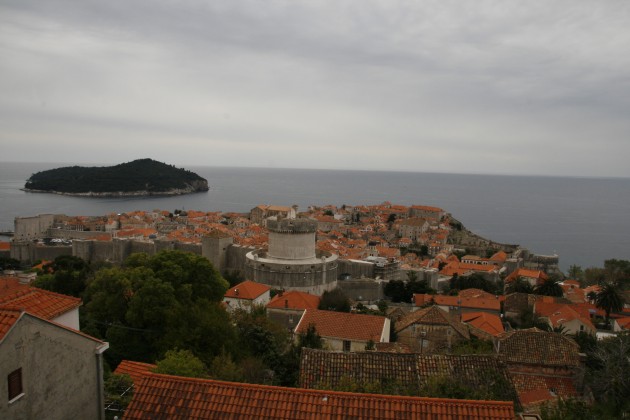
(234, 277)
(608, 376)
(575, 272)
(335, 300)
(118, 393)
(9, 264)
(609, 298)
(474, 281)
(181, 363)
(154, 304)
(223, 368)
(520, 285)
(550, 287)
(288, 370)
(69, 276)
(397, 291)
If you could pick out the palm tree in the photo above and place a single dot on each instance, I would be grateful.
(609, 298)
(550, 287)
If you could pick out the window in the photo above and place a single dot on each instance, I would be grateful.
(15, 383)
(346, 345)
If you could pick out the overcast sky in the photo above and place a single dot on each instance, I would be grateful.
(499, 87)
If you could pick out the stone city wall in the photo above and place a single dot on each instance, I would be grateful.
(75, 234)
(27, 228)
(355, 269)
(363, 289)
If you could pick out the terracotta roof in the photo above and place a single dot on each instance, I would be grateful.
(294, 300)
(540, 276)
(431, 315)
(484, 321)
(393, 347)
(330, 324)
(490, 303)
(247, 290)
(475, 293)
(163, 396)
(8, 317)
(136, 370)
(325, 368)
(39, 302)
(560, 313)
(428, 208)
(533, 388)
(624, 323)
(500, 256)
(534, 346)
(413, 221)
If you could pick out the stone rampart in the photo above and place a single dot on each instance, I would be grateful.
(355, 269)
(27, 228)
(363, 289)
(75, 234)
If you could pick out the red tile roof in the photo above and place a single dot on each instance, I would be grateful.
(8, 317)
(484, 321)
(534, 346)
(559, 313)
(330, 324)
(432, 315)
(534, 388)
(489, 303)
(136, 370)
(427, 208)
(294, 300)
(540, 276)
(247, 290)
(163, 396)
(39, 302)
(624, 323)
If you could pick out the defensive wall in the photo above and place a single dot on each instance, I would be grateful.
(75, 234)
(29, 228)
(116, 250)
(30, 251)
(362, 289)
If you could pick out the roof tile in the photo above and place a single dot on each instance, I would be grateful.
(330, 324)
(163, 396)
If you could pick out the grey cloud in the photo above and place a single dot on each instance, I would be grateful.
(474, 86)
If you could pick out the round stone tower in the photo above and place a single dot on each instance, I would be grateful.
(292, 239)
(291, 262)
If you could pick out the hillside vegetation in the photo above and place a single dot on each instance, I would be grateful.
(139, 176)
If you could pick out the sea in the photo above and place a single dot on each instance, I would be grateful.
(583, 220)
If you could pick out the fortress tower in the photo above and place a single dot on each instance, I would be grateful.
(291, 262)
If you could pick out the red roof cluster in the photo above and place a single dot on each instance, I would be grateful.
(173, 397)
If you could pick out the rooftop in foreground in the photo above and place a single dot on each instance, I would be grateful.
(173, 397)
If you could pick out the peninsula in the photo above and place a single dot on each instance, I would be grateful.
(142, 177)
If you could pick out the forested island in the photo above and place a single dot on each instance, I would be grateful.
(137, 178)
